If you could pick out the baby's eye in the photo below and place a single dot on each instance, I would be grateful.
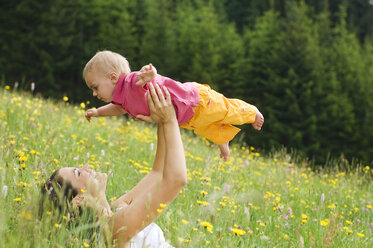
(78, 173)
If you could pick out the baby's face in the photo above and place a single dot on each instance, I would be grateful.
(101, 84)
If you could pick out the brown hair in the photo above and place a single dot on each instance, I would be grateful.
(58, 193)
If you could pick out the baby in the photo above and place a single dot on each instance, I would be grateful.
(197, 106)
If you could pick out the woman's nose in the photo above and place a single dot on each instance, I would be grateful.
(86, 167)
(94, 93)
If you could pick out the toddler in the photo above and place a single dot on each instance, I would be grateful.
(197, 106)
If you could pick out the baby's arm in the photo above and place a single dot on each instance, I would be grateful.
(107, 110)
(146, 74)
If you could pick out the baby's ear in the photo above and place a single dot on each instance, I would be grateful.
(114, 77)
(78, 200)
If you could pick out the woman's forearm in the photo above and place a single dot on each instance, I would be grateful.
(175, 169)
(110, 110)
(159, 160)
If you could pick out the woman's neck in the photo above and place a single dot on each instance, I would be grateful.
(103, 208)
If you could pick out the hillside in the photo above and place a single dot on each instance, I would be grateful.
(250, 201)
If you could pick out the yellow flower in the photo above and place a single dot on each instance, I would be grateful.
(56, 225)
(349, 232)
(207, 225)
(203, 193)
(65, 98)
(82, 105)
(185, 222)
(324, 222)
(238, 232)
(348, 222)
(361, 235)
(331, 206)
(17, 199)
(7, 87)
(85, 244)
(159, 210)
(162, 205)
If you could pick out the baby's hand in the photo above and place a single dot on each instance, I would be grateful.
(146, 74)
(91, 113)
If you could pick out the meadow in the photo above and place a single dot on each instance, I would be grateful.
(251, 200)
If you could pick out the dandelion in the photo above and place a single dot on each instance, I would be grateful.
(17, 199)
(331, 206)
(207, 225)
(203, 193)
(238, 232)
(185, 222)
(65, 98)
(324, 222)
(7, 87)
(361, 235)
(57, 225)
(82, 105)
(85, 244)
(304, 218)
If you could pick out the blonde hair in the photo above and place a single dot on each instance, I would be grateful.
(107, 62)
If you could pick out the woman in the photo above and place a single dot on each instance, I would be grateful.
(135, 210)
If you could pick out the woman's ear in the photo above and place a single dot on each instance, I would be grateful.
(78, 200)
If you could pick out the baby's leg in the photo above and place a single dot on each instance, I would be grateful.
(224, 151)
(259, 120)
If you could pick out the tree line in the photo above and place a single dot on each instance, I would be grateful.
(307, 65)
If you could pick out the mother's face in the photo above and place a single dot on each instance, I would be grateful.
(84, 179)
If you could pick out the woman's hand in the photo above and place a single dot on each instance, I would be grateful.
(160, 106)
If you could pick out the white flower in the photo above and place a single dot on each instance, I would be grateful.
(5, 190)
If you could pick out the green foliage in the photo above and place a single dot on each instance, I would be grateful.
(307, 65)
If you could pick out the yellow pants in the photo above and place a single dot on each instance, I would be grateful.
(215, 115)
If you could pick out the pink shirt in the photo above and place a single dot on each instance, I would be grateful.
(132, 98)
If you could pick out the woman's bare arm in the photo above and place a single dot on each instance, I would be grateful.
(143, 208)
(152, 178)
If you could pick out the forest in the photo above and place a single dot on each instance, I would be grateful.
(307, 65)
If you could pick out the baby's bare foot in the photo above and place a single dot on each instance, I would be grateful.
(224, 151)
(259, 120)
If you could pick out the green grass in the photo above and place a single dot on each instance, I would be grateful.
(250, 201)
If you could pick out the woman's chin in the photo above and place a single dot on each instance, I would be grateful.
(102, 178)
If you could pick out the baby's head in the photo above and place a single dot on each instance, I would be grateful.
(102, 72)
